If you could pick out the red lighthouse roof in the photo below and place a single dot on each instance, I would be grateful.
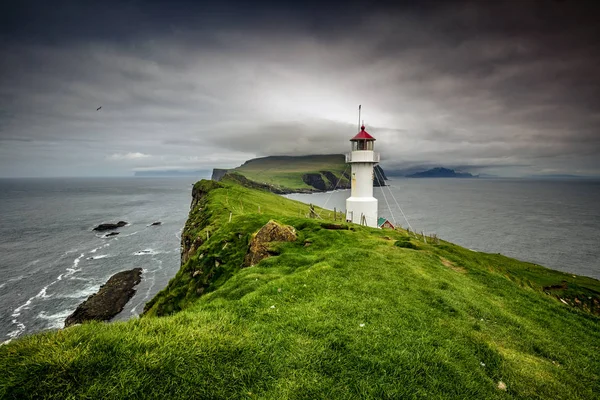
(362, 135)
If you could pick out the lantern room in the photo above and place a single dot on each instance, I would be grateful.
(362, 140)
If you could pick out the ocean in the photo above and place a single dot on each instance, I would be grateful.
(553, 223)
(51, 260)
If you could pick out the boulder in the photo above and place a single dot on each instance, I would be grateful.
(259, 248)
(111, 234)
(110, 226)
(156, 223)
(109, 300)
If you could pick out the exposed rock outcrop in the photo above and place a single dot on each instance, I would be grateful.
(200, 190)
(379, 177)
(109, 300)
(260, 244)
(335, 182)
(315, 180)
(109, 226)
(189, 240)
(156, 223)
(111, 234)
(218, 174)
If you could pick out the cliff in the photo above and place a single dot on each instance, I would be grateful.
(297, 174)
(218, 174)
(325, 310)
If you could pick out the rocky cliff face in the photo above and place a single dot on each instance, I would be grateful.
(189, 240)
(218, 174)
(379, 176)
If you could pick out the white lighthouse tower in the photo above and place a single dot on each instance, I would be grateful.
(361, 206)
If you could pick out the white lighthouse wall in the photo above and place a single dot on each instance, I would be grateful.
(362, 180)
(367, 206)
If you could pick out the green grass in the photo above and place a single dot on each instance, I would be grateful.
(352, 315)
(287, 172)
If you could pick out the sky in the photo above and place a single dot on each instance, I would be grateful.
(509, 88)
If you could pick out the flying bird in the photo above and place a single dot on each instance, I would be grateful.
(98, 109)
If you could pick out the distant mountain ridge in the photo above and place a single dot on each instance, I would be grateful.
(296, 174)
(441, 172)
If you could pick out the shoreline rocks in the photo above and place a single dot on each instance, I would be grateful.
(109, 226)
(109, 300)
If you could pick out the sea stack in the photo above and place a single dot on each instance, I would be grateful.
(361, 206)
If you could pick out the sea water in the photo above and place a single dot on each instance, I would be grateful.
(554, 223)
(51, 260)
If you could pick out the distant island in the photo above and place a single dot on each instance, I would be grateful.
(296, 174)
(440, 172)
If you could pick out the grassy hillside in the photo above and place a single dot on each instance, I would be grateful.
(344, 313)
(287, 172)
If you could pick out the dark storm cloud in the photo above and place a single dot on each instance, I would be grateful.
(501, 86)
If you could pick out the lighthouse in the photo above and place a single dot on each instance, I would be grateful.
(361, 206)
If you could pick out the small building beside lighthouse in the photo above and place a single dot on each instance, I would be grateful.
(361, 206)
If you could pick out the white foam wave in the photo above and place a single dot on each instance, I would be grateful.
(152, 279)
(131, 234)
(71, 271)
(147, 252)
(55, 321)
(98, 248)
(98, 257)
(87, 292)
(17, 311)
(20, 329)
(18, 278)
(43, 293)
(77, 260)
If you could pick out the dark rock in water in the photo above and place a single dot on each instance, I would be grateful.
(260, 245)
(110, 226)
(111, 234)
(156, 223)
(110, 299)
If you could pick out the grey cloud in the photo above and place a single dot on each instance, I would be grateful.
(460, 85)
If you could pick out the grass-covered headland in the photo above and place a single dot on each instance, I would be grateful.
(343, 311)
